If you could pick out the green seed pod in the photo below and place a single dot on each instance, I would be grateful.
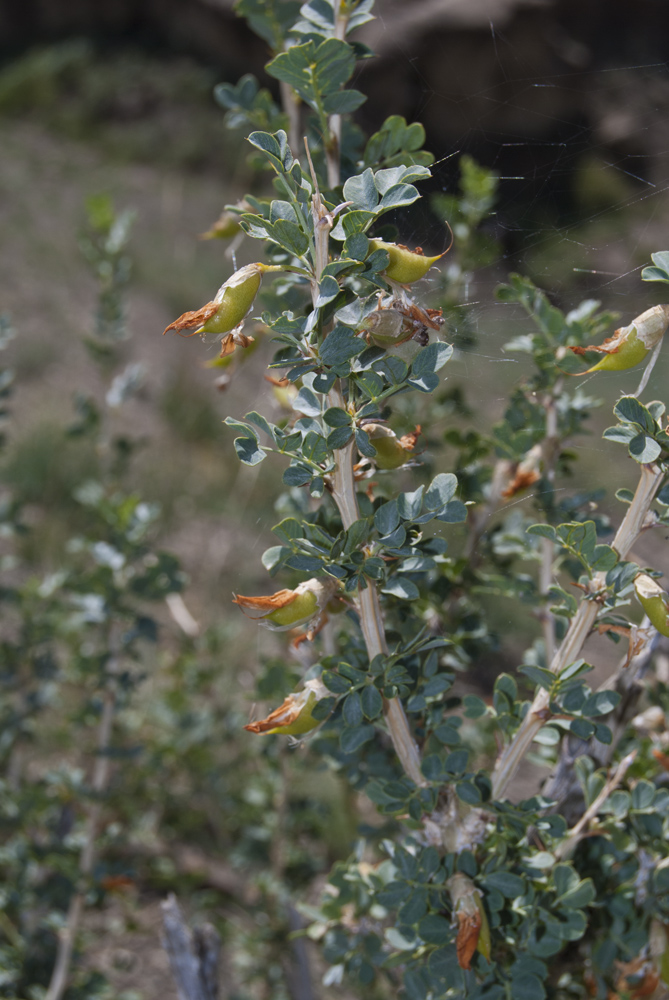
(294, 717)
(234, 299)
(405, 266)
(288, 609)
(391, 453)
(228, 309)
(225, 227)
(387, 328)
(654, 601)
(629, 345)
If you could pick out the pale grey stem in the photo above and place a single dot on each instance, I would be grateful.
(181, 615)
(579, 630)
(478, 519)
(342, 483)
(649, 368)
(577, 833)
(549, 449)
(333, 150)
(290, 103)
(563, 787)
(545, 581)
(68, 933)
(193, 955)
(333, 140)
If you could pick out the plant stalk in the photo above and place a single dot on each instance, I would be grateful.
(566, 848)
(649, 368)
(344, 494)
(549, 449)
(579, 630)
(68, 934)
(290, 103)
(333, 141)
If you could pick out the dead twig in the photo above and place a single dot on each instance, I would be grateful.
(193, 954)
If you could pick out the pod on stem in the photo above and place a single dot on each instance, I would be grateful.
(654, 601)
(228, 309)
(391, 451)
(288, 609)
(294, 716)
(405, 266)
(630, 344)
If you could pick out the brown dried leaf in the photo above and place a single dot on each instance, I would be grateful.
(196, 317)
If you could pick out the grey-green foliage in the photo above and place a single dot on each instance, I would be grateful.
(547, 902)
(68, 639)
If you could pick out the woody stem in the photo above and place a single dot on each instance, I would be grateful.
(344, 495)
(68, 934)
(579, 629)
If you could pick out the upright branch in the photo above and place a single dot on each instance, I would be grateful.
(579, 630)
(333, 139)
(99, 782)
(549, 449)
(290, 102)
(345, 496)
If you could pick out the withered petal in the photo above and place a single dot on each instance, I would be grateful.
(196, 317)
(271, 602)
(285, 715)
(468, 938)
(408, 441)
(521, 481)
(611, 345)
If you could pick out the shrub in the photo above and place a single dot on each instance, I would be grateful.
(475, 885)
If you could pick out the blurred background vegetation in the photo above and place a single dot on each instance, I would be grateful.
(110, 104)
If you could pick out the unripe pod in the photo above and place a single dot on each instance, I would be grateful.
(630, 344)
(284, 391)
(388, 327)
(234, 299)
(405, 266)
(391, 451)
(228, 309)
(227, 225)
(288, 609)
(654, 601)
(294, 717)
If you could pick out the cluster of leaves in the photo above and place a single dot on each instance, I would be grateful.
(86, 629)
(97, 627)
